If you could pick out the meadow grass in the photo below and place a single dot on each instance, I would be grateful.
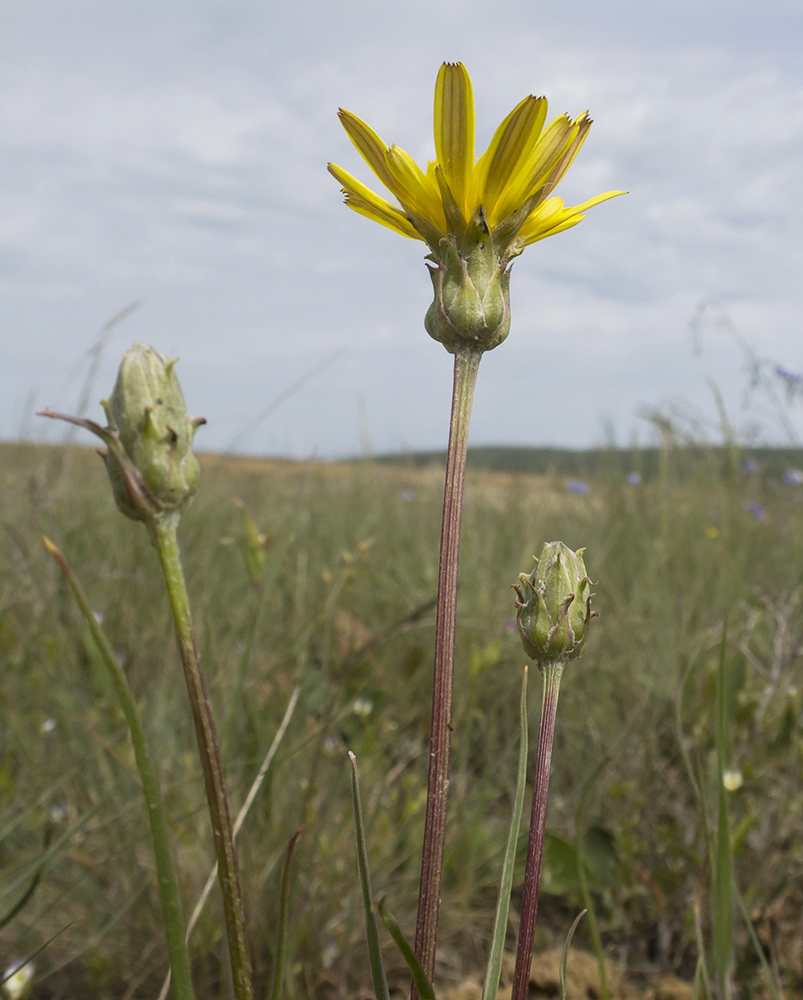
(349, 617)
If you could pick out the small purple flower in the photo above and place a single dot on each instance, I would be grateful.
(577, 486)
(750, 467)
(634, 478)
(793, 477)
(407, 494)
(756, 510)
(511, 624)
(791, 377)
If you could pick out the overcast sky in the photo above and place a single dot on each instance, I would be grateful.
(173, 153)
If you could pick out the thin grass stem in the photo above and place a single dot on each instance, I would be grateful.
(588, 902)
(494, 970)
(723, 858)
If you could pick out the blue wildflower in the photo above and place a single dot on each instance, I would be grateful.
(750, 467)
(578, 486)
(791, 377)
(793, 477)
(634, 478)
(756, 510)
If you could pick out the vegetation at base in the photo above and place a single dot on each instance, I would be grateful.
(352, 557)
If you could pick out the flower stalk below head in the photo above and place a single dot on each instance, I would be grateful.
(553, 606)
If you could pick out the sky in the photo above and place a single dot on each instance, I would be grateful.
(173, 154)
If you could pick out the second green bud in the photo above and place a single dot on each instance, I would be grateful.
(554, 605)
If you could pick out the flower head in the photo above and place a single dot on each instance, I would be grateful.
(553, 605)
(475, 215)
(149, 457)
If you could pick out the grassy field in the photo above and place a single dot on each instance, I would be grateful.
(347, 614)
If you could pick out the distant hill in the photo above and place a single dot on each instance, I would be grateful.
(595, 462)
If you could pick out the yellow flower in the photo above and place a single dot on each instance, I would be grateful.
(507, 189)
(475, 215)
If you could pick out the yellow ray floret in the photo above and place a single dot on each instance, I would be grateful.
(507, 189)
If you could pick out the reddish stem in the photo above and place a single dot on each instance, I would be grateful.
(535, 847)
(466, 365)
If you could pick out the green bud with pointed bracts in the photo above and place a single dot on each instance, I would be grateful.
(146, 411)
(472, 293)
(554, 605)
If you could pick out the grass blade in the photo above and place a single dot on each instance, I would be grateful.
(28, 894)
(281, 938)
(765, 965)
(588, 902)
(160, 833)
(33, 955)
(723, 865)
(494, 970)
(371, 929)
(701, 980)
(564, 958)
(422, 983)
(241, 816)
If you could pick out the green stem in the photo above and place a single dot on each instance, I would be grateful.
(168, 883)
(535, 848)
(493, 973)
(163, 530)
(466, 365)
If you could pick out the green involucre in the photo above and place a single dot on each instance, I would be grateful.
(554, 605)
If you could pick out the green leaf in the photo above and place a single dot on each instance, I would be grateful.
(422, 983)
(371, 929)
(560, 865)
(599, 854)
(768, 972)
(494, 971)
(281, 936)
(564, 958)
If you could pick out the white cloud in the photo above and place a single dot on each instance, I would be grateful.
(183, 163)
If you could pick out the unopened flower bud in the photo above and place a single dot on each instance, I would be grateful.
(554, 605)
(147, 411)
(472, 294)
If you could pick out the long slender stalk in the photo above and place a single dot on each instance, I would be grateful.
(466, 365)
(535, 847)
(160, 833)
(166, 541)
